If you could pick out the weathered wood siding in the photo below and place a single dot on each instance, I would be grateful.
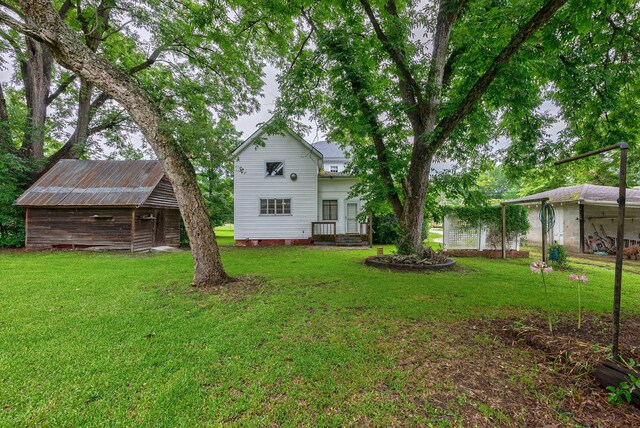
(162, 196)
(51, 227)
(172, 228)
(143, 236)
(145, 230)
(251, 184)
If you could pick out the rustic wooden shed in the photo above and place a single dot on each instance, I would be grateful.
(119, 205)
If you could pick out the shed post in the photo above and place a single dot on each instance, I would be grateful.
(504, 231)
(544, 231)
(370, 229)
(26, 228)
(583, 247)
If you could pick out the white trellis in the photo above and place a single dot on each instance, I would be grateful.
(460, 235)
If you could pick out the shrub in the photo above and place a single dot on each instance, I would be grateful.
(385, 229)
(562, 255)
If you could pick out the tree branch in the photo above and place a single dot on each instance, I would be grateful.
(63, 87)
(107, 125)
(446, 126)
(24, 28)
(370, 116)
(409, 87)
(304, 43)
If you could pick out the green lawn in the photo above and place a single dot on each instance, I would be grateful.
(117, 339)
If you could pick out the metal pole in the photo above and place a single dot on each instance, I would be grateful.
(617, 288)
(504, 231)
(622, 198)
(544, 231)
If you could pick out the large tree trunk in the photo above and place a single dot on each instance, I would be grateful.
(71, 53)
(36, 74)
(6, 142)
(411, 223)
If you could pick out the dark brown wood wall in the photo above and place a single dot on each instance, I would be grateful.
(100, 227)
(145, 228)
(143, 237)
(162, 196)
(172, 228)
(111, 229)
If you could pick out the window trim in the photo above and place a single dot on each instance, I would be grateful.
(268, 198)
(337, 205)
(264, 170)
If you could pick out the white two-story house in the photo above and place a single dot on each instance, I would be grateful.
(290, 192)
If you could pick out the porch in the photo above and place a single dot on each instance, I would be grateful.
(324, 233)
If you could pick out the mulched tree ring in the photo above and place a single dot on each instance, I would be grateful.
(384, 262)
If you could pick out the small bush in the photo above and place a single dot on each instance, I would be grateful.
(562, 255)
(385, 229)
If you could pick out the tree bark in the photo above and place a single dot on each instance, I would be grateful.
(73, 54)
(36, 74)
(6, 142)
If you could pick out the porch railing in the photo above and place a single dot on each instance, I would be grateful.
(323, 231)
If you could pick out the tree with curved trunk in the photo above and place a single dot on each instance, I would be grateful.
(44, 24)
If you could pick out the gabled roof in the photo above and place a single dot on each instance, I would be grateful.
(73, 183)
(583, 193)
(330, 150)
(260, 131)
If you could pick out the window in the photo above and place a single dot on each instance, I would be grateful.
(334, 168)
(330, 210)
(274, 169)
(275, 206)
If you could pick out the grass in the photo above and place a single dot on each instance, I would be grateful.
(317, 339)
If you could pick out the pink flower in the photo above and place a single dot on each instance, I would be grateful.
(540, 266)
(583, 278)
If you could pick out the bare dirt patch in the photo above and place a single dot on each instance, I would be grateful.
(477, 373)
(236, 288)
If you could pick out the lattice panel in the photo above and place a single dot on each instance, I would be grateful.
(460, 235)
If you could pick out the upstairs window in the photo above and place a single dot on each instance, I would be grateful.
(334, 168)
(330, 210)
(274, 169)
(275, 206)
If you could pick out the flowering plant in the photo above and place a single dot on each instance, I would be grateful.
(580, 279)
(541, 267)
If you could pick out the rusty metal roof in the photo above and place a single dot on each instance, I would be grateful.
(586, 193)
(76, 183)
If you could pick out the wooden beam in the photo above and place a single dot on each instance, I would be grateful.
(133, 229)
(371, 229)
(544, 233)
(504, 231)
(26, 228)
(581, 220)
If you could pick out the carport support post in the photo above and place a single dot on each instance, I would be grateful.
(504, 231)
(544, 232)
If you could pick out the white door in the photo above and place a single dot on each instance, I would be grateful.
(558, 227)
(352, 222)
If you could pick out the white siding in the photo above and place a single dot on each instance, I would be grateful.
(250, 185)
(337, 189)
